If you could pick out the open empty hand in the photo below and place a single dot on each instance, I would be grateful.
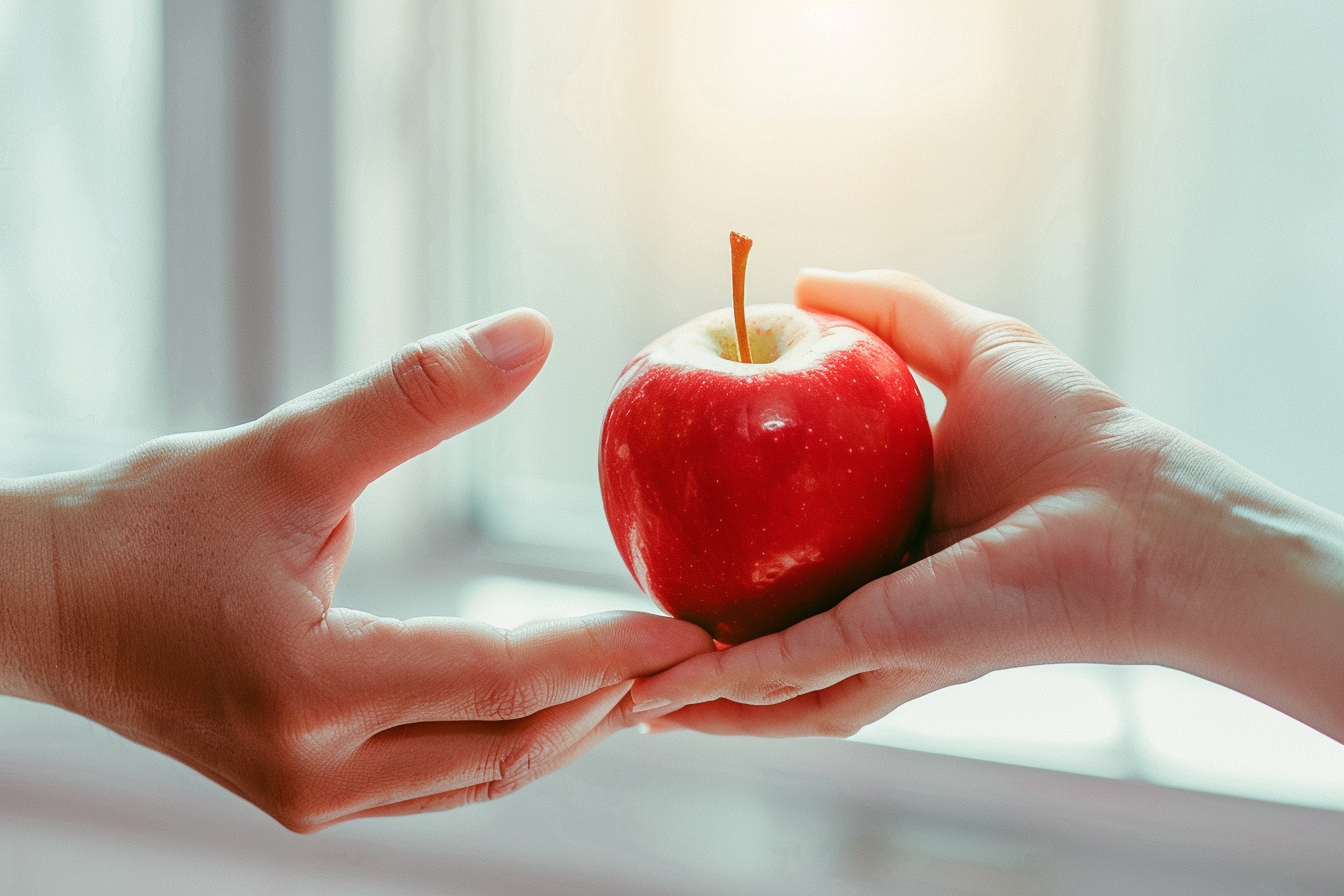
(183, 597)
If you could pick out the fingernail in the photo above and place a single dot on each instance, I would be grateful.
(648, 705)
(511, 339)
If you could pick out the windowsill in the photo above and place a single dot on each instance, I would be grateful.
(689, 813)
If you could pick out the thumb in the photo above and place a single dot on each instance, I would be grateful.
(918, 620)
(346, 434)
(932, 331)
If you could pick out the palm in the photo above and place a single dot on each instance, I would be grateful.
(1014, 430)
(1027, 483)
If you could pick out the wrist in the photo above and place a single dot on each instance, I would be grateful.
(1254, 587)
(29, 602)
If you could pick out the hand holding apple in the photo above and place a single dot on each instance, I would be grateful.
(748, 495)
(1066, 527)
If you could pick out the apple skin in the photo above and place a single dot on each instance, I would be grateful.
(747, 497)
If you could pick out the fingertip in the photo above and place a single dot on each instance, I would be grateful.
(695, 639)
(620, 690)
(716, 717)
(809, 284)
(634, 711)
(513, 339)
(809, 274)
(808, 277)
(659, 726)
(694, 679)
(662, 638)
(932, 331)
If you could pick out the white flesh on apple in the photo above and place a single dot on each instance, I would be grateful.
(782, 338)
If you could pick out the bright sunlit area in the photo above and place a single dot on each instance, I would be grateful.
(208, 207)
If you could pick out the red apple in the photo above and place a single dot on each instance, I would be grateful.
(745, 497)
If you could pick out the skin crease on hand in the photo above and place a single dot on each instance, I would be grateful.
(182, 596)
(1066, 527)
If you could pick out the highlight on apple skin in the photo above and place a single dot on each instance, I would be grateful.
(745, 497)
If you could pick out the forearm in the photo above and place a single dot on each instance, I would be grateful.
(28, 606)
(1258, 594)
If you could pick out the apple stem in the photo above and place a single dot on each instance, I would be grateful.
(740, 245)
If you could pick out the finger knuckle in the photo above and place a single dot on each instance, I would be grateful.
(509, 782)
(287, 447)
(365, 637)
(518, 768)
(1003, 332)
(429, 380)
(597, 645)
(515, 699)
(863, 640)
(778, 692)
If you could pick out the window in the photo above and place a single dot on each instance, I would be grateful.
(1155, 186)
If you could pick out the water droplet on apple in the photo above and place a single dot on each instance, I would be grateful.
(772, 420)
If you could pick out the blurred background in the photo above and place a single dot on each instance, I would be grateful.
(209, 206)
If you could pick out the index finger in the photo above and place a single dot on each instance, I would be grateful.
(932, 331)
(448, 669)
